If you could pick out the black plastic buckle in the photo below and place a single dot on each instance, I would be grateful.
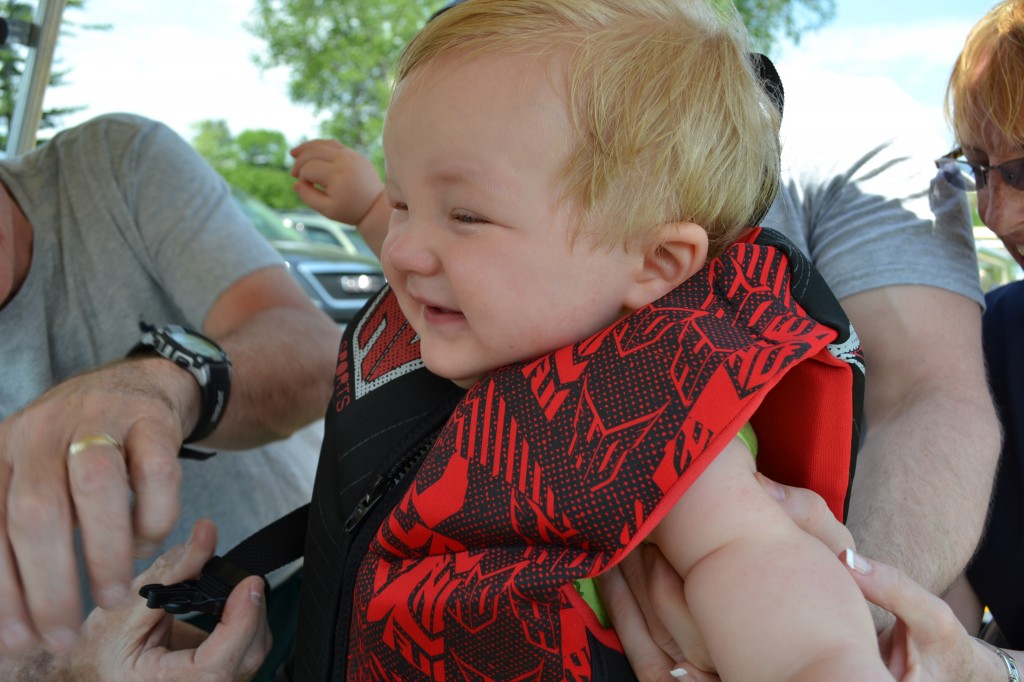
(185, 597)
(207, 594)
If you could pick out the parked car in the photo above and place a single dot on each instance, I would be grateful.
(339, 280)
(322, 229)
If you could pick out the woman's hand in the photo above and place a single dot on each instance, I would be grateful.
(927, 642)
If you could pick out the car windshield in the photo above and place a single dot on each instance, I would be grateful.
(265, 220)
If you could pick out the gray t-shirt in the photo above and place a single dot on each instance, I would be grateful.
(860, 192)
(130, 223)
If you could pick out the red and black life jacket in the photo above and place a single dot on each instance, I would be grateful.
(447, 527)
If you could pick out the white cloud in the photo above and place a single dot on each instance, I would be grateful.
(916, 56)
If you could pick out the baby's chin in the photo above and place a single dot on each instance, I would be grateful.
(457, 378)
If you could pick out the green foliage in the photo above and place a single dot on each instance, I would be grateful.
(255, 161)
(263, 148)
(769, 20)
(341, 55)
(271, 185)
(12, 64)
(214, 143)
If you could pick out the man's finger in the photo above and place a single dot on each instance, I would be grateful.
(98, 479)
(155, 474)
(179, 563)
(16, 633)
(40, 532)
(240, 641)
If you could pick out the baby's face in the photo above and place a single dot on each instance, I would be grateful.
(479, 249)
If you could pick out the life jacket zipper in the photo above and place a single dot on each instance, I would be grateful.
(387, 481)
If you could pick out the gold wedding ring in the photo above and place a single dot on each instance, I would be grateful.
(93, 440)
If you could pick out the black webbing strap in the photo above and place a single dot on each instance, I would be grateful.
(266, 550)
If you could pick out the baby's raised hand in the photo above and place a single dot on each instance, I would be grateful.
(335, 180)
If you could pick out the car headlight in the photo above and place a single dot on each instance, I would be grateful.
(361, 284)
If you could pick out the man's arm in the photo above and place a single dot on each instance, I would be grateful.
(283, 350)
(925, 473)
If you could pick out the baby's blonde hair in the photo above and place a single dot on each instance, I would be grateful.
(987, 83)
(671, 121)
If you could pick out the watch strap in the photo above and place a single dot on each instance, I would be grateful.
(213, 375)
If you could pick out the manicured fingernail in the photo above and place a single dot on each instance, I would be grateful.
(60, 640)
(256, 593)
(678, 673)
(856, 562)
(15, 636)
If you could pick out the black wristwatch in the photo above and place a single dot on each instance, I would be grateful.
(199, 356)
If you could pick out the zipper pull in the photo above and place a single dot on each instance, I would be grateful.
(371, 498)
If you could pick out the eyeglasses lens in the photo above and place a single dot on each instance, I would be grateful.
(1011, 172)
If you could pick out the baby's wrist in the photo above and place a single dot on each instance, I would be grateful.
(370, 207)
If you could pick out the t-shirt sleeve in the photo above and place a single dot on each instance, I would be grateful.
(861, 189)
(195, 239)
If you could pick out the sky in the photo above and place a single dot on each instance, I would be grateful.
(181, 61)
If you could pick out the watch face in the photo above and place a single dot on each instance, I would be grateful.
(196, 344)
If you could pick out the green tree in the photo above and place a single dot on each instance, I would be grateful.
(769, 20)
(263, 148)
(12, 64)
(254, 162)
(214, 143)
(341, 54)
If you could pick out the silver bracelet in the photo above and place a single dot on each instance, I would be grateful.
(1012, 673)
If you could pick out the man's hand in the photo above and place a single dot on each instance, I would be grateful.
(145, 405)
(645, 599)
(143, 644)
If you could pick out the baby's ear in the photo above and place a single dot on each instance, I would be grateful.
(680, 252)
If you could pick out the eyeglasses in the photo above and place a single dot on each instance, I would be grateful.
(1011, 171)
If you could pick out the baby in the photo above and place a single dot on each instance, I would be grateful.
(581, 320)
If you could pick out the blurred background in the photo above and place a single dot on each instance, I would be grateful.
(245, 80)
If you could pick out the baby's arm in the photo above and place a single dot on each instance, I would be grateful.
(342, 184)
(772, 602)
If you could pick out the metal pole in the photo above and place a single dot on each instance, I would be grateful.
(28, 108)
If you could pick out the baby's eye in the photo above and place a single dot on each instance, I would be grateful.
(399, 206)
(468, 218)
